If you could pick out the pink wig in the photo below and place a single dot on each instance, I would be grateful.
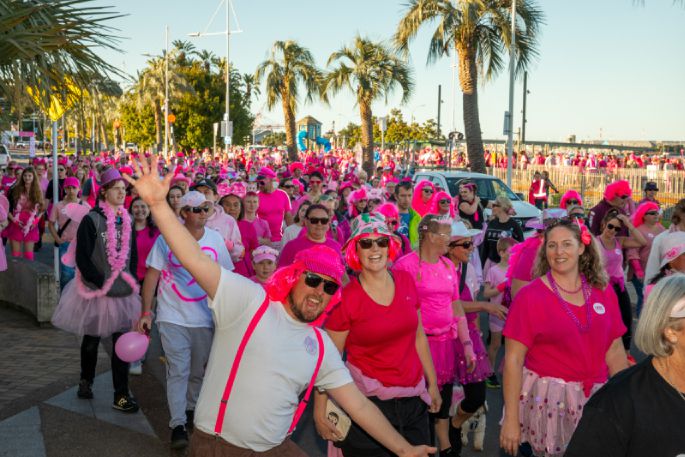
(354, 197)
(617, 189)
(570, 195)
(417, 203)
(388, 210)
(435, 209)
(639, 216)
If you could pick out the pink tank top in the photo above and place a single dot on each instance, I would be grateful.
(613, 260)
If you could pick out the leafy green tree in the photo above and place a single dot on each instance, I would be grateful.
(288, 66)
(274, 139)
(372, 71)
(479, 32)
(350, 135)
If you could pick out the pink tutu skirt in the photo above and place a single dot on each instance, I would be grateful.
(442, 350)
(549, 411)
(16, 233)
(483, 369)
(100, 316)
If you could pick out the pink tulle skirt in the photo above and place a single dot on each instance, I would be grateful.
(549, 411)
(442, 350)
(483, 368)
(97, 316)
(16, 233)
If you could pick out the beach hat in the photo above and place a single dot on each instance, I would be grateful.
(540, 223)
(110, 175)
(672, 247)
(366, 225)
(193, 199)
(264, 253)
(459, 230)
(72, 182)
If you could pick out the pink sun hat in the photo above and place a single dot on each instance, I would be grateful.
(264, 253)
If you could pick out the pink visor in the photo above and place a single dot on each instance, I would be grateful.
(678, 310)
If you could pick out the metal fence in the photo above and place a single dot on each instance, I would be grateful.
(591, 184)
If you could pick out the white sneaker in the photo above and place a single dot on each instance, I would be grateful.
(136, 368)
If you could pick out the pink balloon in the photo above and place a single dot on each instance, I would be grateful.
(132, 346)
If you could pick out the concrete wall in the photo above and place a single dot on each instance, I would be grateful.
(30, 286)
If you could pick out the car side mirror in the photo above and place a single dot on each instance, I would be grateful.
(520, 195)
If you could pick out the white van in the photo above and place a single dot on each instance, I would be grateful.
(5, 156)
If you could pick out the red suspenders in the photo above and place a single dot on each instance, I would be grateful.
(236, 363)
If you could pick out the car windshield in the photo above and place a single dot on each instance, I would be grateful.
(488, 188)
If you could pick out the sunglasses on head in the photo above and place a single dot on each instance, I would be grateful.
(465, 244)
(318, 220)
(367, 243)
(313, 280)
(199, 209)
(572, 202)
(615, 228)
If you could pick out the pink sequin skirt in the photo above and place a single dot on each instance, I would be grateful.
(549, 411)
(483, 369)
(100, 316)
(16, 233)
(443, 352)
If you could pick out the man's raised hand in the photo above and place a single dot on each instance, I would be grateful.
(148, 185)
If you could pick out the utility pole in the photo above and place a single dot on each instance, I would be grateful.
(525, 95)
(439, 103)
(166, 92)
(510, 114)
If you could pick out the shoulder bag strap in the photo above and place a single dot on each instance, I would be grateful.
(236, 363)
(305, 400)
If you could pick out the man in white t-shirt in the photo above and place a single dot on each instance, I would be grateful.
(280, 357)
(183, 317)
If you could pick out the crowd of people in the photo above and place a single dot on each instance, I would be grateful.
(265, 279)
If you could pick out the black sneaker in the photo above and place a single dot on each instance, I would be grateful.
(492, 382)
(190, 419)
(85, 389)
(125, 403)
(179, 437)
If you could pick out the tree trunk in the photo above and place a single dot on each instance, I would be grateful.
(290, 133)
(367, 136)
(468, 80)
(158, 128)
(103, 131)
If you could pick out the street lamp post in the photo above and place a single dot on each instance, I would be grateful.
(166, 92)
(510, 117)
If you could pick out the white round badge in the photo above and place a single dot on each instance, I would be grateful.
(650, 235)
(617, 251)
(599, 308)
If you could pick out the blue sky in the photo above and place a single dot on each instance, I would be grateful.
(606, 67)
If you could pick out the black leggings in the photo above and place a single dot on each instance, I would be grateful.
(474, 398)
(626, 314)
(89, 359)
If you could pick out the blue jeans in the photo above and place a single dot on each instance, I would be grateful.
(66, 273)
(639, 290)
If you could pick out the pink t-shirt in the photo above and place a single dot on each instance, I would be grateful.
(272, 208)
(144, 243)
(382, 339)
(495, 276)
(56, 215)
(437, 285)
(261, 227)
(556, 346)
(301, 243)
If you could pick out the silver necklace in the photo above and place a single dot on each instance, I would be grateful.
(667, 369)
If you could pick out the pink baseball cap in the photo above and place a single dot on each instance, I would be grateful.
(72, 182)
(264, 253)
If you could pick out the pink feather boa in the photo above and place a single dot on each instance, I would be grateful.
(117, 257)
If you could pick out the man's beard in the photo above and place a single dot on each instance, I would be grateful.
(297, 310)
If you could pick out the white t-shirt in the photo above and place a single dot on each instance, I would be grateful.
(276, 367)
(290, 233)
(180, 299)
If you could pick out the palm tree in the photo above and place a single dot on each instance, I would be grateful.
(479, 32)
(250, 88)
(207, 59)
(288, 65)
(372, 71)
(48, 42)
(182, 50)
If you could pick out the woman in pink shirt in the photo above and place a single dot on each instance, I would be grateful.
(563, 339)
(232, 203)
(251, 206)
(646, 221)
(146, 234)
(442, 315)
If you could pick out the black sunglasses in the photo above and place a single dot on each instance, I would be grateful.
(427, 190)
(624, 196)
(465, 244)
(313, 280)
(261, 182)
(199, 209)
(615, 228)
(367, 243)
(318, 220)
(571, 202)
(444, 200)
(287, 186)
(652, 213)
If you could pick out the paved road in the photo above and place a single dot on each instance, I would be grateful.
(40, 415)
